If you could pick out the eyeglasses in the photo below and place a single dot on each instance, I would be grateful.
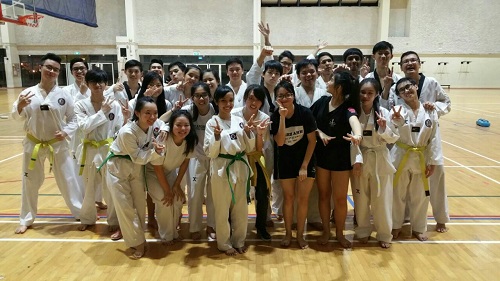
(51, 68)
(410, 61)
(81, 68)
(285, 96)
(202, 95)
(405, 88)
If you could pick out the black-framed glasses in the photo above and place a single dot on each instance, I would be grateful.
(405, 88)
(285, 96)
(80, 68)
(51, 68)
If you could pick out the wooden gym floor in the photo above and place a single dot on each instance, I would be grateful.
(55, 250)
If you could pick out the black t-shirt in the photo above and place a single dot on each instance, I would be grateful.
(296, 129)
(335, 156)
(335, 123)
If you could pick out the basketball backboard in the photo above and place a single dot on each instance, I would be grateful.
(15, 12)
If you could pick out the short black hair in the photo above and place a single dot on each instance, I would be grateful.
(322, 54)
(159, 61)
(382, 45)
(286, 54)
(233, 60)
(407, 54)
(96, 76)
(352, 51)
(258, 92)
(133, 63)
(303, 63)
(75, 60)
(179, 64)
(50, 56)
(272, 64)
(402, 80)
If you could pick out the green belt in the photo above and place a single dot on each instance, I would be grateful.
(96, 144)
(41, 144)
(420, 150)
(234, 158)
(112, 155)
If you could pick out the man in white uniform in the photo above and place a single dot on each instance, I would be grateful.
(432, 96)
(234, 68)
(415, 155)
(49, 118)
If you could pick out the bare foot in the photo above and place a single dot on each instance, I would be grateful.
(420, 236)
(364, 240)
(302, 243)
(231, 252)
(196, 235)
(384, 245)
(117, 235)
(152, 223)
(101, 205)
(441, 228)
(139, 251)
(242, 250)
(83, 227)
(344, 242)
(395, 233)
(323, 239)
(286, 241)
(211, 233)
(21, 229)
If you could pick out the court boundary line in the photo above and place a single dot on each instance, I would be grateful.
(12, 157)
(474, 171)
(108, 240)
(470, 151)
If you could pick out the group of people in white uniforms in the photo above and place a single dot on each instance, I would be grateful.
(429, 86)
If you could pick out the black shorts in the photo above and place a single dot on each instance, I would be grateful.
(290, 169)
(333, 158)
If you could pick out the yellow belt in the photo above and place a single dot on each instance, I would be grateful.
(41, 144)
(96, 144)
(253, 158)
(420, 150)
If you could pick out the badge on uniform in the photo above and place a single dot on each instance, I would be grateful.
(415, 129)
(44, 107)
(111, 116)
(367, 133)
(232, 136)
(61, 101)
(428, 123)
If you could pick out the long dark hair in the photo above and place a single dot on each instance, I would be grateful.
(193, 89)
(160, 100)
(192, 138)
(376, 101)
(350, 89)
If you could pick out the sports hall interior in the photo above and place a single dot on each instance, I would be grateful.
(457, 41)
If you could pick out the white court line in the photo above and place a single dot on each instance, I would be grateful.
(476, 172)
(475, 153)
(482, 114)
(103, 222)
(59, 240)
(479, 110)
(6, 159)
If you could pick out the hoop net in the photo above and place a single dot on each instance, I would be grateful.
(31, 20)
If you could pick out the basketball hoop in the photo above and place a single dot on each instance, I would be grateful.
(31, 20)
